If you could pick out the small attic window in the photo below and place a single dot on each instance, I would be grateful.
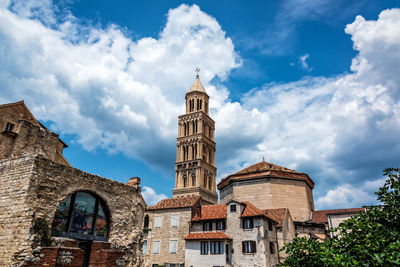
(233, 208)
(9, 127)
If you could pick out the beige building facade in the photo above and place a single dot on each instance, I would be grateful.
(231, 234)
(165, 226)
(269, 186)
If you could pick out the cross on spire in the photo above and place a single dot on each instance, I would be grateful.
(197, 70)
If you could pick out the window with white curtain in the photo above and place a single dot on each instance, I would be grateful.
(174, 220)
(158, 221)
(156, 247)
(173, 245)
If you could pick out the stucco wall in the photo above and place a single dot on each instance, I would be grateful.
(195, 259)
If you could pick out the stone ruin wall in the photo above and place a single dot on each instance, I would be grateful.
(34, 187)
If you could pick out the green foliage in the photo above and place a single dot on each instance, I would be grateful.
(367, 239)
(41, 229)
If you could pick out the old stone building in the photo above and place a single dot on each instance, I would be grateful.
(269, 186)
(231, 234)
(52, 214)
(166, 225)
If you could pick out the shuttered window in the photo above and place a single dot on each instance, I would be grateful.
(249, 246)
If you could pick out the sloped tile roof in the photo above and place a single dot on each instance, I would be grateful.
(175, 203)
(207, 236)
(211, 212)
(265, 169)
(321, 216)
(277, 214)
(252, 211)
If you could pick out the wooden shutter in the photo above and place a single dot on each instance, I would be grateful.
(253, 246)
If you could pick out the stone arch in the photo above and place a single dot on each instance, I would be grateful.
(98, 216)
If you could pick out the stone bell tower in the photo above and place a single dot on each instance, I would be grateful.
(195, 161)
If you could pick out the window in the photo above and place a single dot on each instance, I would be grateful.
(216, 247)
(156, 247)
(146, 222)
(174, 220)
(248, 223)
(184, 181)
(233, 208)
(204, 248)
(207, 226)
(154, 265)
(193, 179)
(249, 246)
(144, 247)
(173, 244)
(158, 221)
(172, 265)
(9, 127)
(205, 181)
(221, 225)
(287, 224)
(271, 247)
(81, 215)
(209, 182)
(269, 225)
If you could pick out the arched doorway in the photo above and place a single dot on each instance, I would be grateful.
(82, 216)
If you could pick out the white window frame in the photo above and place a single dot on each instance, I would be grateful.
(176, 220)
(170, 246)
(158, 221)
(154, 246)
(144, 247)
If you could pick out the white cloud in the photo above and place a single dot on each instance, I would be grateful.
(125, 95)
(345, 196)
(303, 62)
(151, 197)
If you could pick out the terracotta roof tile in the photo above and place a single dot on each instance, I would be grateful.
(252, 211)
(211, 212)
(265, 169)
(320, 216)
(207, 236)
(175, 203)
(277, 214)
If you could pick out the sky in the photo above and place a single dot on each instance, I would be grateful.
(312, 85)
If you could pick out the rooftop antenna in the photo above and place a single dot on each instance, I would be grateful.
(197, 70)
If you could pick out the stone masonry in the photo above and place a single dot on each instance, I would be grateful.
(33, 187)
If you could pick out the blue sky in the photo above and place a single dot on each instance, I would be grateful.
(309, 85)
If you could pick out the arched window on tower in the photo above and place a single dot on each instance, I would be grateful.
(184, 181)
(206, 107)
(201, 102)
(184, 126)
(195, 151)
(187, 152)
(209, 182)
(184, 152)
(198, 104)
(196, 125)
(205, 181)
(193, 179)
(210, 156)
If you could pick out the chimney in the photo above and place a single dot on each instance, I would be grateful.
(134, 181)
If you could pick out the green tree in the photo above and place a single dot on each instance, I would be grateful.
(367, 239)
